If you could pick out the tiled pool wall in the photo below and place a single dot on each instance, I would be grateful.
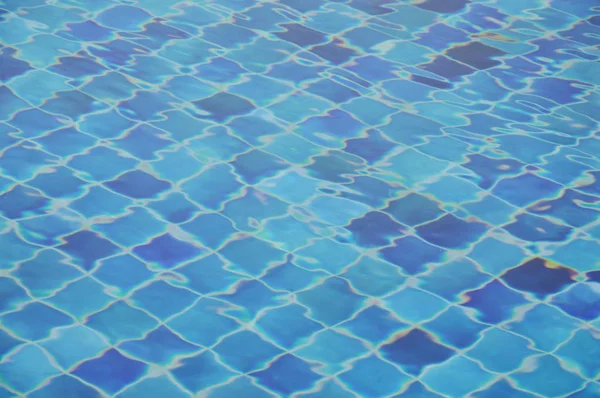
(299, 198)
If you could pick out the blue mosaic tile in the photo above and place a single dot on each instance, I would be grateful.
(319, 198)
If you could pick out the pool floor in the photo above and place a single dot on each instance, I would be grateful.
(299, 198)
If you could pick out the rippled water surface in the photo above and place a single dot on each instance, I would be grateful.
(299, 198)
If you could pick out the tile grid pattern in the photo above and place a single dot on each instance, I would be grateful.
(299, 198)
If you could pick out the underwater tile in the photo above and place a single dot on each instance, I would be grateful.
(580, 350)
(66, 354)
(375, 229)
(249, 298)
(251, 255)
(17, 372)
(191, 324)
(154, 387)
(557, 380)
(451, 232)
(466, 376)
(451, 280)
(87, 247)
(60, 183)
(402, 254)
(160, 346)
(35, 321)
(120, 321)
(124, 18)
(399, 304)
(13, 295)
(336, 311)
(225, 156)
(201, 371)
(246, 351)
(110, 372)
(288, 326)
(539, 277)
(494, 302)
(287, 374)
(455, 327)
(65, 384)
(557, 327)
(537, 229)
(122, 273)
(580, 301)
(360, 377)
(501, 351)
(81, 298)
(46, 273)
(24, 161)
(241, 385)
(150, 298)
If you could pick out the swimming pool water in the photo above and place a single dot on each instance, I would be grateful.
(299, 198)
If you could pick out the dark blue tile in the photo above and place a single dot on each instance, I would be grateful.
(581, 301)
(12, 66)
(22, 201)
(452, 232)
(537, 229)
(375, 229)
(301, 35)
(222, 106)
(415, 350)
(82, 65)
(539, 277)
(87, 247)
(287, 374)
(138, 185)
(336, 51)
(110, 372)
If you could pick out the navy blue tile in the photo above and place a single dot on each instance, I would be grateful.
(539, 277)
(415, 350)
